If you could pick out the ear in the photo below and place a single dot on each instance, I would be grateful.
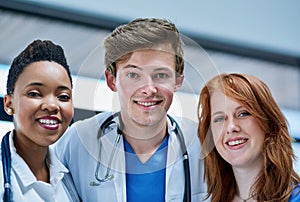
(7, 102)
(179, 82)
(110, 80)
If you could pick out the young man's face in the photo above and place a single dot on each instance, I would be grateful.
(145, 84)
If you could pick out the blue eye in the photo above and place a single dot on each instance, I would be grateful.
(161, 76)
(244, 113)
(218, 119)
(132, 75)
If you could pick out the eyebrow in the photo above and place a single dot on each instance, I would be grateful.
(62, 87)
(137, 67)
(216, 113)
(221, 112)
(131, 66)
(35, 84)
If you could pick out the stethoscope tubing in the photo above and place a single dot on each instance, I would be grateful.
(108, 176)
(6, 159)
(6, 164)
(187, 175)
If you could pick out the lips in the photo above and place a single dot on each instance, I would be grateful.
(237, 142)
(148, 103)
(49, 122)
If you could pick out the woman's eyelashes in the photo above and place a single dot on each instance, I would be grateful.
(34, 94)
(240, 114)
(64, 97)
(244, 113)
(218, 119)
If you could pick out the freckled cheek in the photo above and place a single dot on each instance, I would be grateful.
(217, 131)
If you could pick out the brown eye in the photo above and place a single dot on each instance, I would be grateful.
(33, 94)
(64, 98)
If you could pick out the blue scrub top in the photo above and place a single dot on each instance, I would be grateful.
(295, 197)
(146, 181)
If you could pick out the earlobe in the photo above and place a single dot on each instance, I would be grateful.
(110, 80)
(179, 82)
(8, 105)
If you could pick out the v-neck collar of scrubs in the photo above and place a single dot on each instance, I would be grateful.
(156, 162)
(146, 181)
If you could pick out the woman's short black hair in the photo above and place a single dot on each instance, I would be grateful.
(37, 50)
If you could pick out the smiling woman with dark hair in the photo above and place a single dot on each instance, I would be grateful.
(245, 138)
(39, 97)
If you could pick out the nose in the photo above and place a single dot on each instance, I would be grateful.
(49, 104)
(232, 126)
(149, 87)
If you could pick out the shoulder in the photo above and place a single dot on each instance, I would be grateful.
(186, 124)
(56, 166)
(95, 120)
(81, 135)
(89, 125)
(81, 130)
(295, 194)
(189, 129)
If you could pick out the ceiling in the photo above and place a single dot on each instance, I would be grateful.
(254, 37)
(270, 24)
(236, 38)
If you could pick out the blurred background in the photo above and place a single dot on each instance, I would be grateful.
(261, 38)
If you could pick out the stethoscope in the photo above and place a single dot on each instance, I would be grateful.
(108, 176)
(6, 164)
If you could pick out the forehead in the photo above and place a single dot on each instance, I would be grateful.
(44, 71)
(220, 102)
(158, 56)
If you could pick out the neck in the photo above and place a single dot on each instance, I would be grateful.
(34, 156)
(145, 140)
(245, 179)
(243, 199)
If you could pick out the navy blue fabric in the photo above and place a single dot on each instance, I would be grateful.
(6, 162)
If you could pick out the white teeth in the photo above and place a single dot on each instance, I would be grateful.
(48, 121)
(147, 104)
(236, 142)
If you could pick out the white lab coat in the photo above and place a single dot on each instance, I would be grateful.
(78, 149)
(25, 186)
